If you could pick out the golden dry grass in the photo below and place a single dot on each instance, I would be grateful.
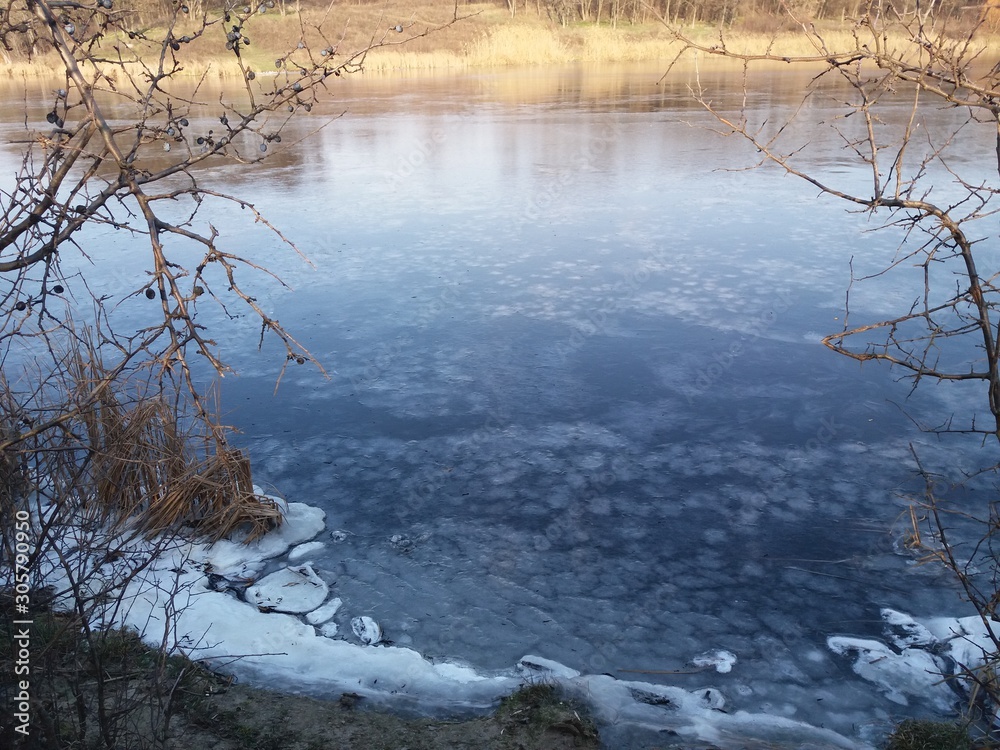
(518, 45)
(487, 37)
(146, 472)
(128, 457)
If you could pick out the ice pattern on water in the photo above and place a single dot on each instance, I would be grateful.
(605, 435)
(483, 585)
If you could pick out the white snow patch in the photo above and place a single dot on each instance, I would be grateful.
(230, 556)
(367, 630)
(290, 589)
(904, 631)
(913, 672)
(720, 659)
(967, 638)
(305, 549)
(324, 613)
(695, 716)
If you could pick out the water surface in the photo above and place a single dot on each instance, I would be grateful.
(577, 405)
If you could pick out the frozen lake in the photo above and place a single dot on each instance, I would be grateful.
(577, 405)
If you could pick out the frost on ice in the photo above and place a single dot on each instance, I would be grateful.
(911, 666)
(367, 630)
(722, 661)
(296, 589)
(284, 634)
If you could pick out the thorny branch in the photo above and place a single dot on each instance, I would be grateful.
(892, 55)
(93, 165)
(912, 62)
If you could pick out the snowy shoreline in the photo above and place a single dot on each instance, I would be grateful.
(281, 634)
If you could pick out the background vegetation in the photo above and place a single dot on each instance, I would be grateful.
(503, 32)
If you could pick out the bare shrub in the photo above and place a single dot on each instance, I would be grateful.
(925, 57)
(111, 454)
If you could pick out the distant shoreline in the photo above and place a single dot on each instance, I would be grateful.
(486, 38)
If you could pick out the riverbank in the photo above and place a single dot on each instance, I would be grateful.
(431, 37)
(177, 704)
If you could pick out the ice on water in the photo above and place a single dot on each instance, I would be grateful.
(254, 638)
(604, 434)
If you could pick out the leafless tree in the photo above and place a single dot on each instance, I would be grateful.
(897, 67)
(106, 437)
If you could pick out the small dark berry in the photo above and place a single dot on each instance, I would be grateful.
(150, 294)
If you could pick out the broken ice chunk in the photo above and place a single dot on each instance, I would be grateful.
(913, 672)
(324, 613)
(401, 543)
(904, 631)
(367, 630)
(547, 667)
(711, 698)
(295, 590)
(305, 549)
(720, 659)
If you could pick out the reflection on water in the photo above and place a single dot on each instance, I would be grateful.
(576, 369)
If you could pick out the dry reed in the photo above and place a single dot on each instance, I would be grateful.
(489, 39)
(129, 457)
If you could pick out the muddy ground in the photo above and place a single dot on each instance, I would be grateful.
(240, 717)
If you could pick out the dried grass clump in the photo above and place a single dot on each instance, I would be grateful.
(604, 44)
(389, 60)
(921, 734)
(518, 45)
(129, 456)
(144, 473)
